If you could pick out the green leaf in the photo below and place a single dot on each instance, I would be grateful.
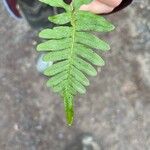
(72, 90)
(91, 41)
(56, 33)
(56, 3)
(56, 56)
(78, 86)
(78, 3)
(78, 75)
(56, 68)
(87, 21)
(57, 79)
(84, 66)
(68, 104)
(89, 55)
(54, 45)
(71, 46)
(61, 19)
(59, 87)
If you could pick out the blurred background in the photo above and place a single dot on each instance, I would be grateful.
(115, 110)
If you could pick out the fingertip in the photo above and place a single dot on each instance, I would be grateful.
(97, 7)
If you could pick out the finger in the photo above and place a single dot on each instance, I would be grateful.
(97, 7)
(111, 3)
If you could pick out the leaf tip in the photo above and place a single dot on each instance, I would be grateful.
(94, 73)
(51, 18)
(38, 47)
(102, 63)
(46, 72)
(70, 122)
(108, 48)
(40, 34)
(113, 27)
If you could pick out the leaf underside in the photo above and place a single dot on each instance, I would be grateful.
(70, 46)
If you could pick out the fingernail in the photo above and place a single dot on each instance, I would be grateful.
(84, 7)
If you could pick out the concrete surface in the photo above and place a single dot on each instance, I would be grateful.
(116, 108)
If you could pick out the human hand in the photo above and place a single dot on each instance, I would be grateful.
(101, 6)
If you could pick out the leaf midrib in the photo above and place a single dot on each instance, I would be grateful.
(71, 53)
(67, 94)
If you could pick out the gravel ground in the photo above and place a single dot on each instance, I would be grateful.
(116, 108)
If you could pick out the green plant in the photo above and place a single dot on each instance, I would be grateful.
(69, 46)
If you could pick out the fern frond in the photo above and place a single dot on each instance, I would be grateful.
(70, 46)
